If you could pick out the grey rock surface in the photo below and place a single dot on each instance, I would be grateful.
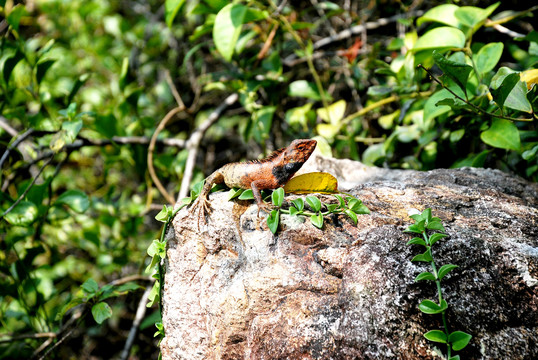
(233, 290)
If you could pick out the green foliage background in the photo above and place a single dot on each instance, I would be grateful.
(85, 85)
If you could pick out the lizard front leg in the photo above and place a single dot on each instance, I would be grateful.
(256, 186)
(202, 204)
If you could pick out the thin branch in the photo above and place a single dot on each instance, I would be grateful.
(131, 278)
(151, 147)
(476, 108)
(173, 88)
(505, 30)
(194, 143)
(27, 188)
(15, 143)
(4, 125)
(28, 336)
(140, 313)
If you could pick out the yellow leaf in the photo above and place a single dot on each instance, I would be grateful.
(333, 113)
(312, 182)
(530, 77)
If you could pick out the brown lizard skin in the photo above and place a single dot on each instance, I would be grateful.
(270, 173)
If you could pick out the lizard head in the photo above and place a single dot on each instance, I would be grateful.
(296, 154)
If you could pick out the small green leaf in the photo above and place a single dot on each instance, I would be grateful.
(474, 17)
(425, 276)
(303, 88)
(317, 220)
(445, 269)
(90, 286)
(246, 195)
(162, 216)
(436, 237)
(429, 307)
(273, 220)
(459, 340)
(488, 56)
(234, 192)
(77, 200)
(23, 214)
(456, 357)
(154, 294)
(293, 211)
(299, 204)
(227, 28)
(171, 8)
(277, 197)
(15, 15)
(458, 72)
(425, 257)
(101, 311)
(418, 227)
(435, 225)
(436, 335)
(513, 97)
(331, 207)
(352, 215)
(416, 241)
(341, 200)
(502, 134)
(501, 93)
(443, 37)
(314, 203)
(42, 69)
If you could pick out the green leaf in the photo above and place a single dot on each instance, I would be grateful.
(459, 340)
(15, 15)
(293, 211)
(299, 203)
(246, 195)
(227, 28)
(314, 203)
(42, 69)
(23, 214)
(429, 307)
(425, 276)
(77, 200)
(303, 88)
(488, 56)
(171, 8)
(436, 237)
(502, 134)
(234, 192)
(436, 335)
(352, 215)
(418, 228)
(10, 63)
(501, 93)
(416, 241)
(435, 225)
(445, 269)
(517, 94)
(443, 14)
(458, 72)
(440, 38)
(154, 294)
(456, 357)
(425, 257)
(474, 17)
(341, 200)
(90, 286)
(101, 311)
(71, 130)
(433, 108)
(277, 197)
(273, 220)
(162, 216)
(317, 220)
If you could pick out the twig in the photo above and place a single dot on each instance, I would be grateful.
(151, 147)
(173, 88)
(4, 125)
(357, 29)
(27, 188)
(507, 31)
(131, 278)
(15, 143)
(29, 336)
(140, 312)
(194, 143)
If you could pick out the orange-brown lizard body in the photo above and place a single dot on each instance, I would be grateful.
(270, 173)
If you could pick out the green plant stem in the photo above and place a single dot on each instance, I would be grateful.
(476, 108)
(440, 294)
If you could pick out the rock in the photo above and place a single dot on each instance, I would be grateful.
(233, 290)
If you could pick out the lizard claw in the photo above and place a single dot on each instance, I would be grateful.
(266, 207)
(201, 208)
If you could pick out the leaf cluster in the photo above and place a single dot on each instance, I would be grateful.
(430, 231)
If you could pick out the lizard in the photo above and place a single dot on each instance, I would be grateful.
(270, 173)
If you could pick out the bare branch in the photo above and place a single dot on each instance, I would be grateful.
(194, 143)
(140, 313)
